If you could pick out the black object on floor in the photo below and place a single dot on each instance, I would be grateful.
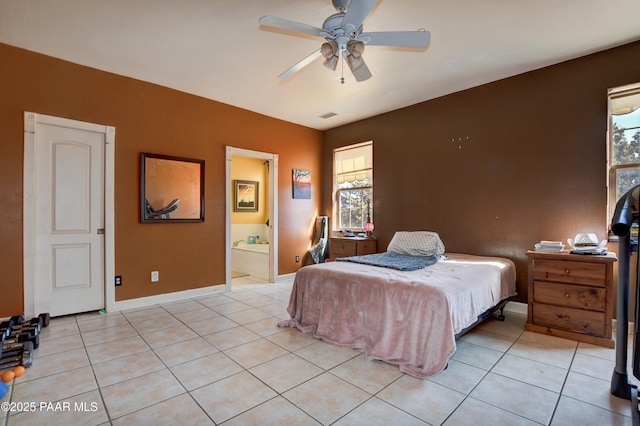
(626, 214)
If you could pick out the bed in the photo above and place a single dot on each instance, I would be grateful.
(406, 317)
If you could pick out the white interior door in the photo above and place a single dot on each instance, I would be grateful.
(69, 220)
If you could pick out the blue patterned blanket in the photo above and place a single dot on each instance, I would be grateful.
(392, 260)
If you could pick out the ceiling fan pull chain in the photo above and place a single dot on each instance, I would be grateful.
(342, 72)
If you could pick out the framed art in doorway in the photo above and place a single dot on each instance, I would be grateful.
(245, 194)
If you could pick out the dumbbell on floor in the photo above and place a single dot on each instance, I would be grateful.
(16, 326)
(29, 335)
(34, 326)
(21, 354)
(46, 318)
(23, 338)
(7, 326)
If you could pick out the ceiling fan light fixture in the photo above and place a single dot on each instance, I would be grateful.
(331, 63)
(354, 63)
(353, 55)
(329, 50)
(355, 48)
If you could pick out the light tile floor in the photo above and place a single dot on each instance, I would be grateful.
(222, 359)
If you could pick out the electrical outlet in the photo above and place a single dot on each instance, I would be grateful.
(118, 280)
(155, 276)
(297, 258)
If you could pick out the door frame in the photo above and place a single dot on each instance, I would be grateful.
(31, 119)
(273, 209)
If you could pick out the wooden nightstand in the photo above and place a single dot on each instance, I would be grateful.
(571, 296)
(351, 246)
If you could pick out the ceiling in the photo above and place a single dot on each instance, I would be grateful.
(217, 50)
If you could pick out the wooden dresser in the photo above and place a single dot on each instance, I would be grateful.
(351, 246)
(571, 296)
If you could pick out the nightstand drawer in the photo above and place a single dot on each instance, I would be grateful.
(571, 296)
(570, 272)
(584, 322)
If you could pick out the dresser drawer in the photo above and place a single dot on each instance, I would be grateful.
(581, 321)
(340, 248)
(565, 271)
(571, 296)
(356, 246)
(366, 247)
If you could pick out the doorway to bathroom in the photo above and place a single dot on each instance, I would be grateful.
(251, 217)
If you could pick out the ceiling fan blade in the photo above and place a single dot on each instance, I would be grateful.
(303, 63)
(362, 73)
(288, 25)
(397, 38)
(356, 14)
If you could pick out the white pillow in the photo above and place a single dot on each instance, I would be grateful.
(416, 243)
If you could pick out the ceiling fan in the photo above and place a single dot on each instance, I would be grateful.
(343, 34)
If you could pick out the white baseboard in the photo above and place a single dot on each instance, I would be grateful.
(142, 302)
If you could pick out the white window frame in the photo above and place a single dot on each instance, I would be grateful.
(616, 93)
(337, 191)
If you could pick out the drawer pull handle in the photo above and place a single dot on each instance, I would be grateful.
(567, 295)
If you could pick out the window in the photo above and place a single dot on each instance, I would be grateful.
(353, 185)
(624, 142)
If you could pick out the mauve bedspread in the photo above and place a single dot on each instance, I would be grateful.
(409, 318)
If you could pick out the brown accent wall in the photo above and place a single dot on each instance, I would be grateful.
(148, 118)
(496, 168)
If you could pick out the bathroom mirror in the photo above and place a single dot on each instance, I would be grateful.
(171, 189)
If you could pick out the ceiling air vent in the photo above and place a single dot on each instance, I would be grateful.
(328, 115)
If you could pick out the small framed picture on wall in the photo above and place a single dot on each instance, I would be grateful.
(301, 184)
(245, 196)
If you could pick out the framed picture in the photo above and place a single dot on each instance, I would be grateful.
(245, 196)
(171, 189)
(301, 184)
